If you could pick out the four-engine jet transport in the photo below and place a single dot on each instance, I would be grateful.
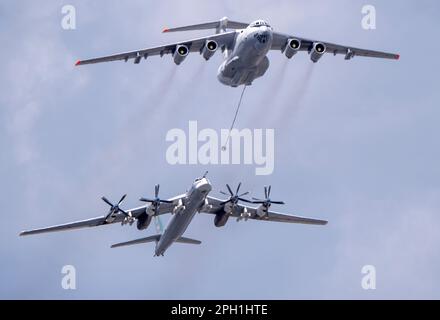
(183, 208)
(245, 49)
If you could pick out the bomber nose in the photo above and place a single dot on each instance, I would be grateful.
(206, 187)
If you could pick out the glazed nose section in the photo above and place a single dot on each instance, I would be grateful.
(204, 186)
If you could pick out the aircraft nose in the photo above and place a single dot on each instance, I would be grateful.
(265, 30)
(262, 37)
(206, 187)
(267, 33)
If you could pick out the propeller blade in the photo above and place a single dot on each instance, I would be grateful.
(156, 190)
(229, 189)
(122, 199)
(243, 194)
(106, 201)
(244, 200)
(222, 192)
(158, 224)
(238, 188)
(165, 201)
(146, 200)
(266, 202)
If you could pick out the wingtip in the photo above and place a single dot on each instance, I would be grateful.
(397, 56)
(22, 233)
(165, 30)
(77, 63)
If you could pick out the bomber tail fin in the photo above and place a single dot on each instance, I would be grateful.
(220, 26)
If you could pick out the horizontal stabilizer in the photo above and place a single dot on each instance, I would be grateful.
(222, 24)
(188, 241)
(154, 238)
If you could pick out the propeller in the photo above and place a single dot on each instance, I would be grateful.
(114, 208)
(234, 197)
(267, 201)
(158, 225)
(156, 201)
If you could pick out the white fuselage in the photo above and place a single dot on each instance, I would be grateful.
(247, 60)
(193, 202)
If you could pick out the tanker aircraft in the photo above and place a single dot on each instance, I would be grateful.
(244, 46)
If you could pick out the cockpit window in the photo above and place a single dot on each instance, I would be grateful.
(259, 23)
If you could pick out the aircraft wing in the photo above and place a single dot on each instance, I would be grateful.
(280, 40)
(218, 208)
(94, 222)
(195, 45)
(100, 221)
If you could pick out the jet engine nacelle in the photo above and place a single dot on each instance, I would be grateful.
(221, 219)
(317, 51)
(180, 54)
(143, 221)
(292, 47)
(209, 49)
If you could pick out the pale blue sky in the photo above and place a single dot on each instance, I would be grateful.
(358, 145)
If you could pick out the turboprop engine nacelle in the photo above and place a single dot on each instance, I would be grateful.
(220, 219)
(262, 211)
(317, 51)
(180, 54)
(143, 221)
(209, 49)
(151, 210)
(292, 47)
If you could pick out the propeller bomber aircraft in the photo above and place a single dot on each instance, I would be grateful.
(183, 208)
(245, 49)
